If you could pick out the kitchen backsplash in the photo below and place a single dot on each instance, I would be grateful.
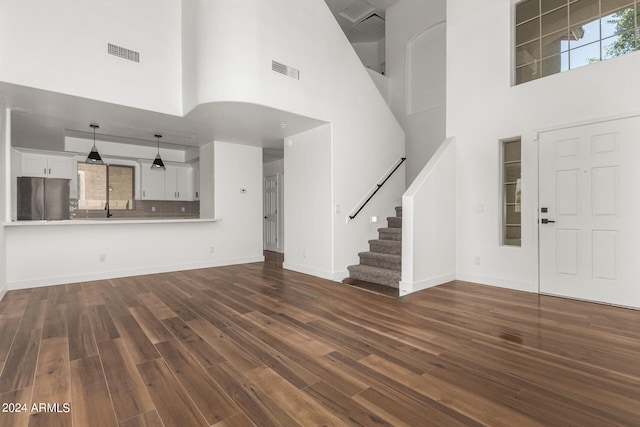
(144, 209)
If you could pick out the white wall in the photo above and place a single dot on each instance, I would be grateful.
(221, 62)
(429, 223)
(372, 54)
(307, 203)
(238, 168)
(71, 38)
(381, 82)
(273, 168)
(207, 180)
(334, 87)
(5, 157)
(415, 66)
(483, 107)
(39, 255)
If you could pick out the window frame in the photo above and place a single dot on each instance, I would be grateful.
(133, 187)
(504, 204)
(565, 56)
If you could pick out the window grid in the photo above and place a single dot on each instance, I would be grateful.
(511, 159)
(532, 57)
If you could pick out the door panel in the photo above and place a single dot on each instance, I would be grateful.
(604, 191)
(589, 201)
(568, 250)
(271, 213)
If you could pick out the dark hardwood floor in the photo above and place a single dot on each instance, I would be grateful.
(248, 345)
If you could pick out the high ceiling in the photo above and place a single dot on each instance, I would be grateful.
(46, 116)
(361, 20)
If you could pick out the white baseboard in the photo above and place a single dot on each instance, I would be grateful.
(516, 285)
(308, 270)
(407, 288)
(339, 276)
(60, 280)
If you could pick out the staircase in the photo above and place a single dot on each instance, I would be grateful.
(380, 267)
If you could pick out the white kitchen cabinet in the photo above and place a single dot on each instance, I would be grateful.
(196, 180)
(151, 182)
(45, 165)
(173, 183)
(178, 182)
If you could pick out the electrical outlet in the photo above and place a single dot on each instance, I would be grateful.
(304, 253)
(212, 249)
(183, 209)
(477, 260)
(153, 208)
(102, 257)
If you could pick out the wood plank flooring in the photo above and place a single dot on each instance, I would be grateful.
(252, 345)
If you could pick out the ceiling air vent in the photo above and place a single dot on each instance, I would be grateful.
(121, 52)
(358, 10)
(285, 69)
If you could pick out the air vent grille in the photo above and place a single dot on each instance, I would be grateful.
(358, 10)
(285, 69)
(121, 52)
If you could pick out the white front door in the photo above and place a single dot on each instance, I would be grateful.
(271, 213)
(589, 212)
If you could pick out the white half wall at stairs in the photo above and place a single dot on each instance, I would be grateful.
(429, 223)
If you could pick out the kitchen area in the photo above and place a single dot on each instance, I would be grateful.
(123, 217)
(126, 182)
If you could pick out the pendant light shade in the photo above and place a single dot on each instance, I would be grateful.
(94, 156)
(157, 162)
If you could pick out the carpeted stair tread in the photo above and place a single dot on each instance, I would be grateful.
(382, 264)
(381, 276)
(386, 246)
(381, 260)
(390, 233)
(394, 221)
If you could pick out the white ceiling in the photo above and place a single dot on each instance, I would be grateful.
(364, 30)
(41, 119)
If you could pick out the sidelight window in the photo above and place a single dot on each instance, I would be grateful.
(511, 192)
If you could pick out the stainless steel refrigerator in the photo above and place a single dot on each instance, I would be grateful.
(42, 199)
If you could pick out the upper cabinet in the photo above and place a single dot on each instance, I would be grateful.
(151, 182)
(173, 183)
(178, 182)
(196, 180)
(45, 165)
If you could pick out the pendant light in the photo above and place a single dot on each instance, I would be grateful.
(157, 162)
(94, 156)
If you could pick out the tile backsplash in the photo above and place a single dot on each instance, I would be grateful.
(143, 209)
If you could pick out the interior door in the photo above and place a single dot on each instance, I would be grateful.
(589, 209)
(271, 213)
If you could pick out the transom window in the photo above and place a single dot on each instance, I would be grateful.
(552, 36)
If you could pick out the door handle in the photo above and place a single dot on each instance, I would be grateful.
(547, 221)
